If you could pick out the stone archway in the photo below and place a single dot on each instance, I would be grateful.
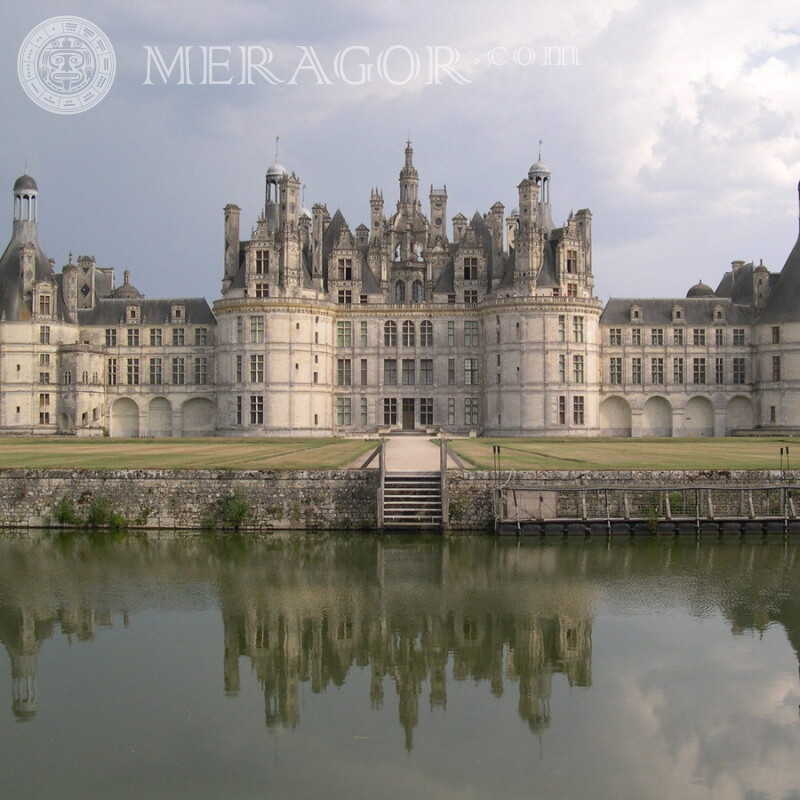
(159, 417)
(198, 417)
(698, 417)
(657, 417)
(615, 417)
(739, 415)
(124, 418)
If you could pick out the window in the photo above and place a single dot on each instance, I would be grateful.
(776, 335)
(772, 415)
(470, 371)
(111, 337)
(111, 372)
(390, 334)
(426, 411)
(738, 337)
(343, 333)
(562, 410)
(578, 410)
(133, 337)
(417, 292)
(577, 329)
(451, 372)
(44, 305)
(364, 380)
(239, 330)
(178, 371)
(636, 336)
(363, 299)
(344, 297)
(256, 409)
(44, 359)
(738, 370)
(257, 329)
(451, 333)
(364, 417)
(572, 290)
(572, 261)
(657, 336)
(426, 333)
(239, 410)
(390, 371)
(44, 334)
(201, 370)
(363, 335)
(239, 369)
(677, 371)
(200, 337)
(344, 372)
(178, 337)
(177, 312)
(262, 262)
(719, 370)
(615, 370)
(451, 411)
(698, 370)
(577, 369)
(470, 333)
(257, 368)
(562, 328)
(156, 337)
(470, 268)
(699, 336)
(451, 299)
(409, 372)
(636, 370)
(677, 336)
(471, 411)
(400, 292)
(44, 400)
(470, 296)
(615, 336)
(776, 368)
(67, 377)
(156, 371)
(426, 371)
(562, 368)
(657, 370)
(390, 411)
(133, 371)
(44, 377)
(344, 269)
(343, 411)
(409, 334)
(719, 337)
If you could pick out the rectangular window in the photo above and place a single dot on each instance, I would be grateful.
(257, 368)
(677, 336)
(44, 359)
(156, 371)
(615, 336)
(364, 380)
(776, 335)
(636, 370)
(426, 333)
(343, 411)
(451, 372)
(698, 336)
(179, 371)
(257, 329)
(562, 368)
(470, 268)
(719, 337)
(572, 261)
(133, 337)
(344, 297)
(572, 290)
(698, 370)
(678, 375)
(409, 335)
(201, 337)
(156, 337)
(363, 299)
(657, 336)
(470, 333)
(426, 411)
(636, 336)
(344, 333)
(577, 328)
(471, 411)
(133, 371)
(363, 336)
(470, 371)
(562, 409)
(470, 296)
(738, 337)
(262, 290)
(451, 333)
(578, 410)
(390, 371)
(262, 262)
(390, 411)
(239, 410)
(390, 334)
(562, 328)
(776, 368)
(201, 370)
(256, 409)
(44, 334)
(738, 370)
(451, 411)
(364, 416)
(409, 372)
(577, 369)
(615, 370)
(657, 370)
(719, 370)
(344, 372)
(111, 337)
(178, 337)
(239, 369)
(44, 377)
(426, 371)
(344, 269)
(44, 305)
(111, 372)
(239, 330)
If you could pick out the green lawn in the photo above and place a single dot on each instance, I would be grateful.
(212, 453)
(585, 454)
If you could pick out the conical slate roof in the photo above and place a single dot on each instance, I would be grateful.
(783, 303)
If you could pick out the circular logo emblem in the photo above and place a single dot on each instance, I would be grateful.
(66, 65)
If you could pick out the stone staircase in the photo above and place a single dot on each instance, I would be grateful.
(412, 500)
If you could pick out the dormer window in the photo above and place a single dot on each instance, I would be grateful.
(262, 262)
(132, 314)
(178, 313)
(677, 314)
(636, 313)
(45, 301)
(345, 269)
(719, 314)
(572, 261)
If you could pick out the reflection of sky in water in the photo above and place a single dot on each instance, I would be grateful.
(675, 705)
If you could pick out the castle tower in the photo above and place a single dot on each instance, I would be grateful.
(409, 183)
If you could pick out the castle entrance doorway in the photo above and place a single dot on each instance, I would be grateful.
(408, 413)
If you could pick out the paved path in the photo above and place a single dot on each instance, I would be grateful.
(411, 454)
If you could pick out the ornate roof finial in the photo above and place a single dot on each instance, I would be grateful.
(540, 149)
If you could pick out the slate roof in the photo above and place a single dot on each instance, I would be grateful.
(658, 311)
(783, 303)
(111, 311)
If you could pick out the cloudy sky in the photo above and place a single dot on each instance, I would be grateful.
(675, 123)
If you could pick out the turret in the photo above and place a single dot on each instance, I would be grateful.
(26, 200)
(438, 200)
(231, 244)
(409, 182)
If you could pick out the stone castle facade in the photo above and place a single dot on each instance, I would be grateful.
(491, 327)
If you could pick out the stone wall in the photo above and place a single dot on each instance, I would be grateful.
(192, 499)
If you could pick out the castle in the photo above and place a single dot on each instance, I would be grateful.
(492, 328)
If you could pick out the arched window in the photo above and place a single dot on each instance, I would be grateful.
(390, 334)
(409, 334)
(67, 377)
(426, 333)
(417, 292)
(85, 377)
(400, 292)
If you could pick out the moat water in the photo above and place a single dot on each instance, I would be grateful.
(311, 666)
